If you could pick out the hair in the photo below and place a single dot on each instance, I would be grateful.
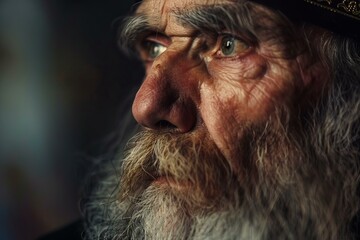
(328, 147)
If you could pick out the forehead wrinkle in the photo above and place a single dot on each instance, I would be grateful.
(159, 16)
(162, 15)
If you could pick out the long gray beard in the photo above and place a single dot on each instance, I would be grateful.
(294, 186)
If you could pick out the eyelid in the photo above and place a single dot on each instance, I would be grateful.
(213, 38)
(157, 38)
(153, 37)
(236, 36)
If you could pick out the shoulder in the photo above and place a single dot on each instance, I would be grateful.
(72, 231)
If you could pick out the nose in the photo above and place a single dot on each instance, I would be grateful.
(165, 100)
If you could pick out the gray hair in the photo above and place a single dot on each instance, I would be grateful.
(330, 138)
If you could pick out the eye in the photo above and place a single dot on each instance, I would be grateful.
(230, 46)
(151, 50)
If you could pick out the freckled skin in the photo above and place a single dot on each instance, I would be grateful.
(219, 95)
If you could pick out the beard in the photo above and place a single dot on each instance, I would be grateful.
(292, 185)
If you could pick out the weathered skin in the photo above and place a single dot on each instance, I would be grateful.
(206, 91)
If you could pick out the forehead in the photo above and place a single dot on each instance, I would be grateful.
(161, 8)
(159, 13)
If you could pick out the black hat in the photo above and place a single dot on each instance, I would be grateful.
(339, 16)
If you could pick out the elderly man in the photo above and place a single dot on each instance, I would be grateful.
(250, 113)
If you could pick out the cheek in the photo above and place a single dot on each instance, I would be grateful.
(252, 67)
(228, 111)
(231, 102)
(234, 95)
(222, 125)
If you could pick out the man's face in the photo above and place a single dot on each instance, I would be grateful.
(226, 104)
(216, 80)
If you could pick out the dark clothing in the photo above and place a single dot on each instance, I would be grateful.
(72, 231)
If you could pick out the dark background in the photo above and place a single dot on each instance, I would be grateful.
(65, 95)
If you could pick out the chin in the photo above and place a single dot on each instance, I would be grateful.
(183, 187)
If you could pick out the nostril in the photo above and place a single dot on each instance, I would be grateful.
(163, 124)
(156, 108)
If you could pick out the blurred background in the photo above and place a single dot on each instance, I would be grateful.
(65, 92)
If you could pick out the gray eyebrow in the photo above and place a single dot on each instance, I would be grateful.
(211, 19)
(131, 29)
(232, 18)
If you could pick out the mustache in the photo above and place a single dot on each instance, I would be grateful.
(193, 159)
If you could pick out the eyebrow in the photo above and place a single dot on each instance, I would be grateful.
(231, 18)
(131, 30)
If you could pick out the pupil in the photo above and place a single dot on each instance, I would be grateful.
(228, 46)
(154, 50)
